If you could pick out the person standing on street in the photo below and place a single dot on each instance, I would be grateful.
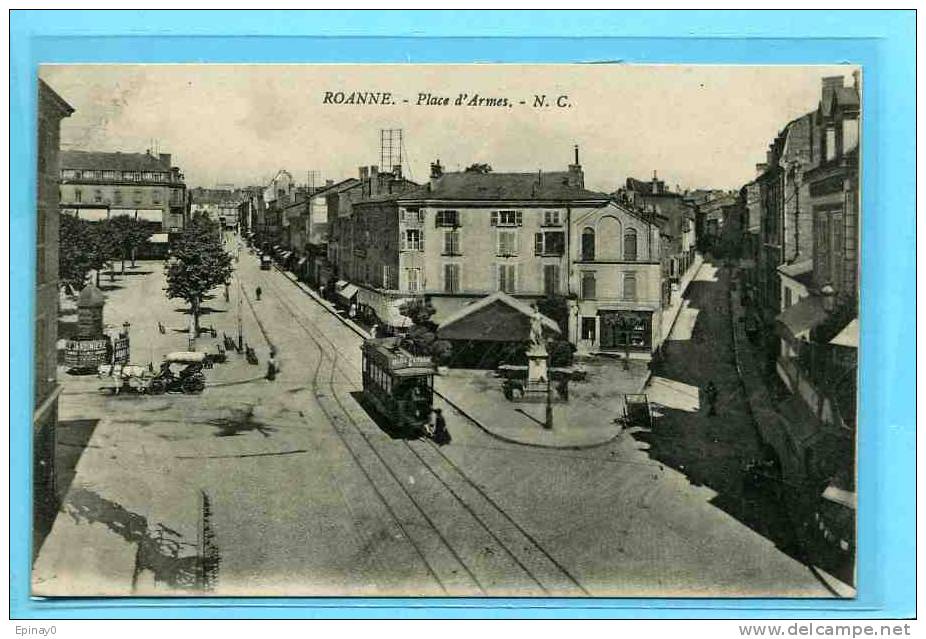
(257, 292)
(272, 365)
(710, 392)
(441, 434)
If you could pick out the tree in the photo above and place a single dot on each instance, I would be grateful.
(128, 234)
(198, 263)
(74, 253)
(478, 167)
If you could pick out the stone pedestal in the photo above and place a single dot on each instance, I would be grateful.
(537, 363)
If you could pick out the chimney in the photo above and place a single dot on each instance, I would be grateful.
(436, 170)
(576, 177)
(855, 79)
(364, 172)
(374, 170)
(165, 158)
(832, 82)
(655, 183)
(397, 172)
(329, 182)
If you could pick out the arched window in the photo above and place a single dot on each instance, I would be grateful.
(630, 244)
(588, 244)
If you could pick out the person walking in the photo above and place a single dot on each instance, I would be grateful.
(710, 392)
(257, 292)
(441, 434)
(272, 365)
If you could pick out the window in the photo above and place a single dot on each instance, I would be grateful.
(452, 242)
(830, 143)
(451, 278)
(136, 197)
(507, 218)
(412, 277)
(551, 279)
(110, 175)
(386, 276)
(98, 196)
(68, 174)
(156, 196)
(588, 244)
(552, 218)
(447, 218)
(117, 197)
(588, 286)
(77, 195)
(507, 243)
(849, 134)
(549, 243)
(630, 286)
(507, 277)
(413, 240)
(588, 328)
(788, 297)
(630, 245)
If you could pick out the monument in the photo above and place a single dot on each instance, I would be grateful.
(92, 346)
(536, 351)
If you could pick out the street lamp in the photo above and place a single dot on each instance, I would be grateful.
(548, 415)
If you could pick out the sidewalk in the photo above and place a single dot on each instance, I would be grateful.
(670, 315)
(585, 421)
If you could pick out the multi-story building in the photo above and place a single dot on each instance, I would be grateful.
(785, 231)
(815, 359)
(96, 186)
(220, 204)
(467, 235)
(51, 110)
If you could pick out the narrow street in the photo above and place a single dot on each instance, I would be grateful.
(310, 496)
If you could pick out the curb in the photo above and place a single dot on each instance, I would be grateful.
(323, 303)
(508, 440)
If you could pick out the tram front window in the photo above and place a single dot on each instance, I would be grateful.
(415, 392)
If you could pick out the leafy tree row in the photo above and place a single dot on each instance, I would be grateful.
(89, 246)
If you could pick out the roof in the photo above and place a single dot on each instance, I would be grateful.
(803, 316)
(52, 97)
(496, 318)
(848, 336)
(100, 160)
(500, 186)
(800, 272)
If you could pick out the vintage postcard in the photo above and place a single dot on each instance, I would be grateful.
(446, 330)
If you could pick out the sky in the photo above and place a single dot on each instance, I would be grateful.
(697, 126)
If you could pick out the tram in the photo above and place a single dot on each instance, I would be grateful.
(398, 384)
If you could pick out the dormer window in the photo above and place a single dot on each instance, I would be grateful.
(447, 219)
(552, 218)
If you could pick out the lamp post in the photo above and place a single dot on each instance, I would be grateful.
(548, 414)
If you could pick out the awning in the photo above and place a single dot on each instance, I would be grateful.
(122, 213)
(348, 292)
(159, 238)
(91, 215)
(340, 284)
(848, 336)
(495, 318)
(150, 215)
(302, 260)
(286, 255)
(803, 316)
(840, 496)
(385, 307)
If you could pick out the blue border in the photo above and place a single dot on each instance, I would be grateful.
(883, 42)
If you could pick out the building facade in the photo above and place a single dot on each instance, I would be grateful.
(531, 235)
(96, 186)
(51, 110)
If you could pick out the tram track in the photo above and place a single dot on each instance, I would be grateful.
(502, 558)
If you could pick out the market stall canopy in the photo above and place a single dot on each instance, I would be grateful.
(159, 238)
(848, 336)
(495, 318)
(89, 214)
(387, 308)
(801, 317)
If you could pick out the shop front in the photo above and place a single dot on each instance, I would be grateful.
(625, 331)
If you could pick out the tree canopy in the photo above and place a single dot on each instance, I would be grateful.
(127, 235)
(198, 263)
(83, 247)
(478, 167)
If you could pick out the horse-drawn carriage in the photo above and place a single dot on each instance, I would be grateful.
(179, 372)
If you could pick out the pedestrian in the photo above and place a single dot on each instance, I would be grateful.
(373, 330)
(257, 292)
(710, 392)
(272, 366)
(352, 311)
(226, 292)
(161, 328)
(441, 434)
(563, 388)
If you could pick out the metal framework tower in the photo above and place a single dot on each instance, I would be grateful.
(390, 148)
